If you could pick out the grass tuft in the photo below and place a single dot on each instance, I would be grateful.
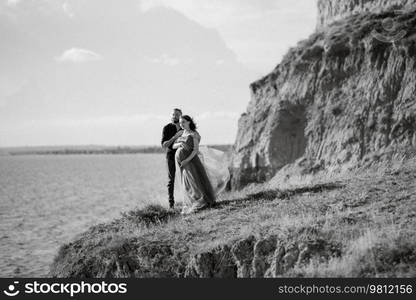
(151, 215)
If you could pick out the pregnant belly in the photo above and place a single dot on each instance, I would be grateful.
(181, 154)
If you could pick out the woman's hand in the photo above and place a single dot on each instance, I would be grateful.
(184, 163)
(185, 146)
(180, 144)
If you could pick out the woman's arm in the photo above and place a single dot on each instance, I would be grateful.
(176, 145)
(193, 153)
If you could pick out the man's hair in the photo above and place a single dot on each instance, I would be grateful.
(178, 110)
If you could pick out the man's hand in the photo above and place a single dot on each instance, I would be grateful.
(167, 144)
(178, 134)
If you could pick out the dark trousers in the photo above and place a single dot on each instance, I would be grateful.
(170, 159)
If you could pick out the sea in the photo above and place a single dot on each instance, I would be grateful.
(46, 200)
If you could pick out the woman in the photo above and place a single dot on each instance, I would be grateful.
(197, 187)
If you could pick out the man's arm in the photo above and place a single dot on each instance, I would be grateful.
(166, 143)
(164, 137)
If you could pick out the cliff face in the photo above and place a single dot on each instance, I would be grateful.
(338, 99)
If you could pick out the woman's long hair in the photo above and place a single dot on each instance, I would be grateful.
(192, 124)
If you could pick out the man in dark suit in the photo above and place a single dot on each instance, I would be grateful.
(170, 133)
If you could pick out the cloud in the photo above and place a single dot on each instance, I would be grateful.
(3, 102)
(259, 32)
(106, 121)
(207, 13)
(12, 2)
(169, 60)
(219, 62)
(106, 129)
(111, 120)
(67, 10)
(218, 115)
(214, 13)
(77, 55)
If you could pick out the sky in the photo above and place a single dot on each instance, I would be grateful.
(109, 72)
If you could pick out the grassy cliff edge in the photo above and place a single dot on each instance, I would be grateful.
(359, 224)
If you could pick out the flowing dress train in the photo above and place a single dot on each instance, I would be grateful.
(196, 185)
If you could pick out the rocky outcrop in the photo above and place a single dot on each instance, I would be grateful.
(330, 11)
(258, 258)
(339, 98)
(248, 257)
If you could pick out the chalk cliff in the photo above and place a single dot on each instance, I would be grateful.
(340, 98)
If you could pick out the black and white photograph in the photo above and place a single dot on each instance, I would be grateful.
(207, 139)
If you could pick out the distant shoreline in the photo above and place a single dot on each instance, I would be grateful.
(91, 150)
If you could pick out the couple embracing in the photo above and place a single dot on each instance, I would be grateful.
(203, 171)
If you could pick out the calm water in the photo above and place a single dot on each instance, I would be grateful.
(46, 200)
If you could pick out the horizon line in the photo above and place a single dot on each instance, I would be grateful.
(96, 145)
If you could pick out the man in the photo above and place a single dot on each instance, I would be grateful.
(170, 133)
